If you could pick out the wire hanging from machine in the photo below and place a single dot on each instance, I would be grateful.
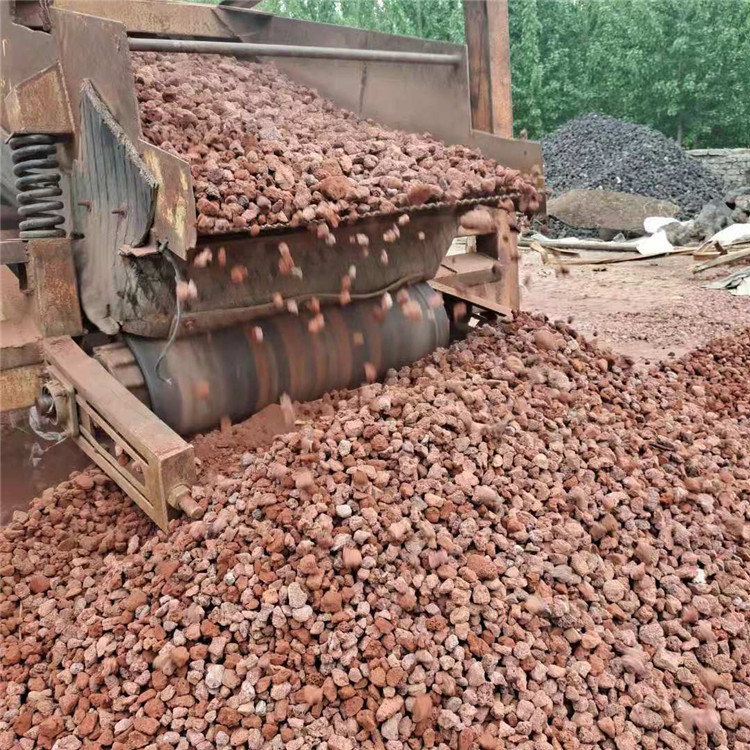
(176, 320)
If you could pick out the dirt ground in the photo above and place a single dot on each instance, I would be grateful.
(650, 310)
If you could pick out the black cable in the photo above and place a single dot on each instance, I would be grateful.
(176, 319)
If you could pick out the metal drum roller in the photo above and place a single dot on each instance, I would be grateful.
(228, 373)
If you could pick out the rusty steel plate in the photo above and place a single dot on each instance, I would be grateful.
(39, 104)
(58, 310)
(95, 49)
(140, 16)
(20, 386)
(174, 218)
(23, 52)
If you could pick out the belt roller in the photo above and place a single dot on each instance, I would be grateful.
(230, 373)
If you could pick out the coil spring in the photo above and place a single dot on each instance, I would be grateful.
(38, 184)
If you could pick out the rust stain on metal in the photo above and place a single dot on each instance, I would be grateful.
(174, 220)
(39, 104)
(58, 309)
(24, 52)
(20, 338)
(19, 386)
(96, 49)
(148, 17)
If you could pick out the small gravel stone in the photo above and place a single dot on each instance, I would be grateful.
(296, 596)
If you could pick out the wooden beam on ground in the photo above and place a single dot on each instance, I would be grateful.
(596, 245)
(626, 258)
(723, 260)
(488, 42)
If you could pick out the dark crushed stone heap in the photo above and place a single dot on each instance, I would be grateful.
(598, 151)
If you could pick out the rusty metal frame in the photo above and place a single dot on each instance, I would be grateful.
(478, 285)
(100, 404)
(39, 104)
(52, 272)
(138, 16)
(410, 259)
(414, 97)
(474, 299)
(13, 251)
(19, 386)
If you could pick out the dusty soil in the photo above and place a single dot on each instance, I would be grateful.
(233, 440)
(650, 310)
(265, 150)
(20, 479)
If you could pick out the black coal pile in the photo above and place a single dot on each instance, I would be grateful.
(598, 151)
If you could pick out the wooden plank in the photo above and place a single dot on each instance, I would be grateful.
(488, 43)
(598, 245)
(545, 251)
(724, 260)
(467, 296)
(625, 258)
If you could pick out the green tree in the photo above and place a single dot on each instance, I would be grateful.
(681, 66)
(526, 69)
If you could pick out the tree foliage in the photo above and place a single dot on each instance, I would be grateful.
(681, 66)
(430, 19)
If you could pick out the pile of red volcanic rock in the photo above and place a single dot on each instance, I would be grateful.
(516, 542)
(264, 150)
